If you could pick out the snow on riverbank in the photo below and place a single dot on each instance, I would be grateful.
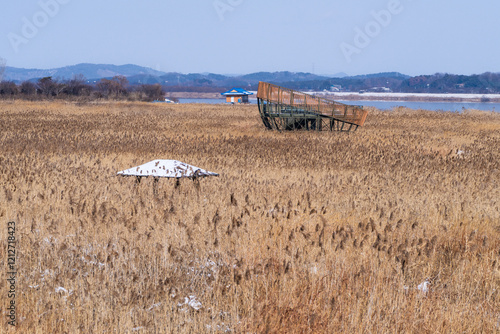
(409, 96)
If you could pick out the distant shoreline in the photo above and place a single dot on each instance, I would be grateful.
(412, 97)
(353, 96)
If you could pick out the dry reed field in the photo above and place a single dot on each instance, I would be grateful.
(302, 232)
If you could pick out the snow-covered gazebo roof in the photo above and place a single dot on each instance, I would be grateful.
(166, 168)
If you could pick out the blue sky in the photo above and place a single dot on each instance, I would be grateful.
(244, 36)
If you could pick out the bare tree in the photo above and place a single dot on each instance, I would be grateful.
(3, 62)
(113, 88)
(122, 82)
(77, 86)
(28, 88)
(50, 88)
(151, 92)
(8, 89)
(106, 87)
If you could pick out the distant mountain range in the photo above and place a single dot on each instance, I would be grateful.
(89, 71)
(144, 75)
(207, 82)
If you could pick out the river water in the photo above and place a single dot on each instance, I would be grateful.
(385, 105)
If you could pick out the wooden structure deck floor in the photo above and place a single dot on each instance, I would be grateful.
(286, 109)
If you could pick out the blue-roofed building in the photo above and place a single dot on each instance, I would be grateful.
(237, 95)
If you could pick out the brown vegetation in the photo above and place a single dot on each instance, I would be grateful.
(77, 89)
(303, 232)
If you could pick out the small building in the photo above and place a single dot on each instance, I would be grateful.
(236, 95)
(335, 88)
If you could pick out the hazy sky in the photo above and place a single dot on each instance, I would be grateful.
(244, 36)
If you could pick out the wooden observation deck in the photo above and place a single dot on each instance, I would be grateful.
(286, 109)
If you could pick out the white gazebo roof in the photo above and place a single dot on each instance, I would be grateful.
(166, 168)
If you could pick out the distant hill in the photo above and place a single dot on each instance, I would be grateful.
(338, 75)
(89, 71)
(143, 75)
(394, 75)
(284, 76)
(211, 82)
(218, 80)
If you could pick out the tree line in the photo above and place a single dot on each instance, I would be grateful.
(486, 83)
(116, 88)
(119, 88)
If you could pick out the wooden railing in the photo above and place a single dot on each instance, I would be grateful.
(288, 97)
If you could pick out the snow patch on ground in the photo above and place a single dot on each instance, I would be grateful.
(403, 95)
(192, 302)
(424, 286)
